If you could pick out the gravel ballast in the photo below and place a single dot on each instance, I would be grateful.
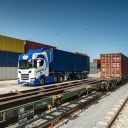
(95, 115)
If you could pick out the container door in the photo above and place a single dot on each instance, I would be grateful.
(115, 65)
(106, 65)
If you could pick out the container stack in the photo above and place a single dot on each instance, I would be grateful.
(35, 45)
(95, 66)
(10, 49)
(98, 62)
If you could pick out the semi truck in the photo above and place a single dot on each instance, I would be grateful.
(44, 66)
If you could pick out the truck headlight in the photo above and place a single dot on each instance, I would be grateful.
(32, 79)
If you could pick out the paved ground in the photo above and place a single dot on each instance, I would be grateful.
(11, 85)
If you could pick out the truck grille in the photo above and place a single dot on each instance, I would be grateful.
(24, 76)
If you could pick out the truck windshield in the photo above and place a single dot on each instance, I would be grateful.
(25, 64)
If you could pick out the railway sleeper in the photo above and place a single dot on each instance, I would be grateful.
(57, 99)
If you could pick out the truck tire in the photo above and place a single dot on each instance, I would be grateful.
(78, 76)
(42, 81)
(60, 79)
(85, 76)
(55, 79)
(82, 75)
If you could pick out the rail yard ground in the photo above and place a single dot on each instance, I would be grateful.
(11, 85)
(95, 114)
(6, 86)
(15, 106)
(99, 113)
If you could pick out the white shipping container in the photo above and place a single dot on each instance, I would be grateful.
(8, 73)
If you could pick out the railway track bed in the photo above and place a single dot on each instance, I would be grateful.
(99, 114)
(52, 117)
(22, 106)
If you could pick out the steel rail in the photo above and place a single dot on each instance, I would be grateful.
(43, 90)
(44, 87)
(31, 98)
(113, 119)
(51, 123)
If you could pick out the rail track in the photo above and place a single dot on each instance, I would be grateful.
(92, 98)
(23, 97)
(115, 116)
(76, 108)
(20, 106)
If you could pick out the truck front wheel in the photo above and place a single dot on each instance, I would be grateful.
(42, 81)
(55, 79)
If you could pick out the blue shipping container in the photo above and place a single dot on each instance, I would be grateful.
(9, 59)
(62, 61)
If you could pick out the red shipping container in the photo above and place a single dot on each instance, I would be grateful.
(97, 61)
(114, 65)
(35, 45)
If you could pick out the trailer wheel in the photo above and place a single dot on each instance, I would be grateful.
(60, 79)
(85, 76)
(42, 81)
(78, 76)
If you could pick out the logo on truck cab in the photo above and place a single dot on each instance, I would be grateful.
(25, 57)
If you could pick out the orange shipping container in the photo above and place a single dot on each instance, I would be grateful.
(114, 65)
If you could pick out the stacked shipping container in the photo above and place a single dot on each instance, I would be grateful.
(10, 49)
(35, 45)
(97, 61)
(94, 68)
(114, 65)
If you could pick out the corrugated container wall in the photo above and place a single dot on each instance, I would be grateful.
(35, 45)
(62, 61)
(114, 65)
(8, 73)
(11, 44)
(8, 59)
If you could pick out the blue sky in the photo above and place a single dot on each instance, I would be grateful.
(88, 26)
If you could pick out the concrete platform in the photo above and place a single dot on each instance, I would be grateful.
(97, 75)
(11, 85)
